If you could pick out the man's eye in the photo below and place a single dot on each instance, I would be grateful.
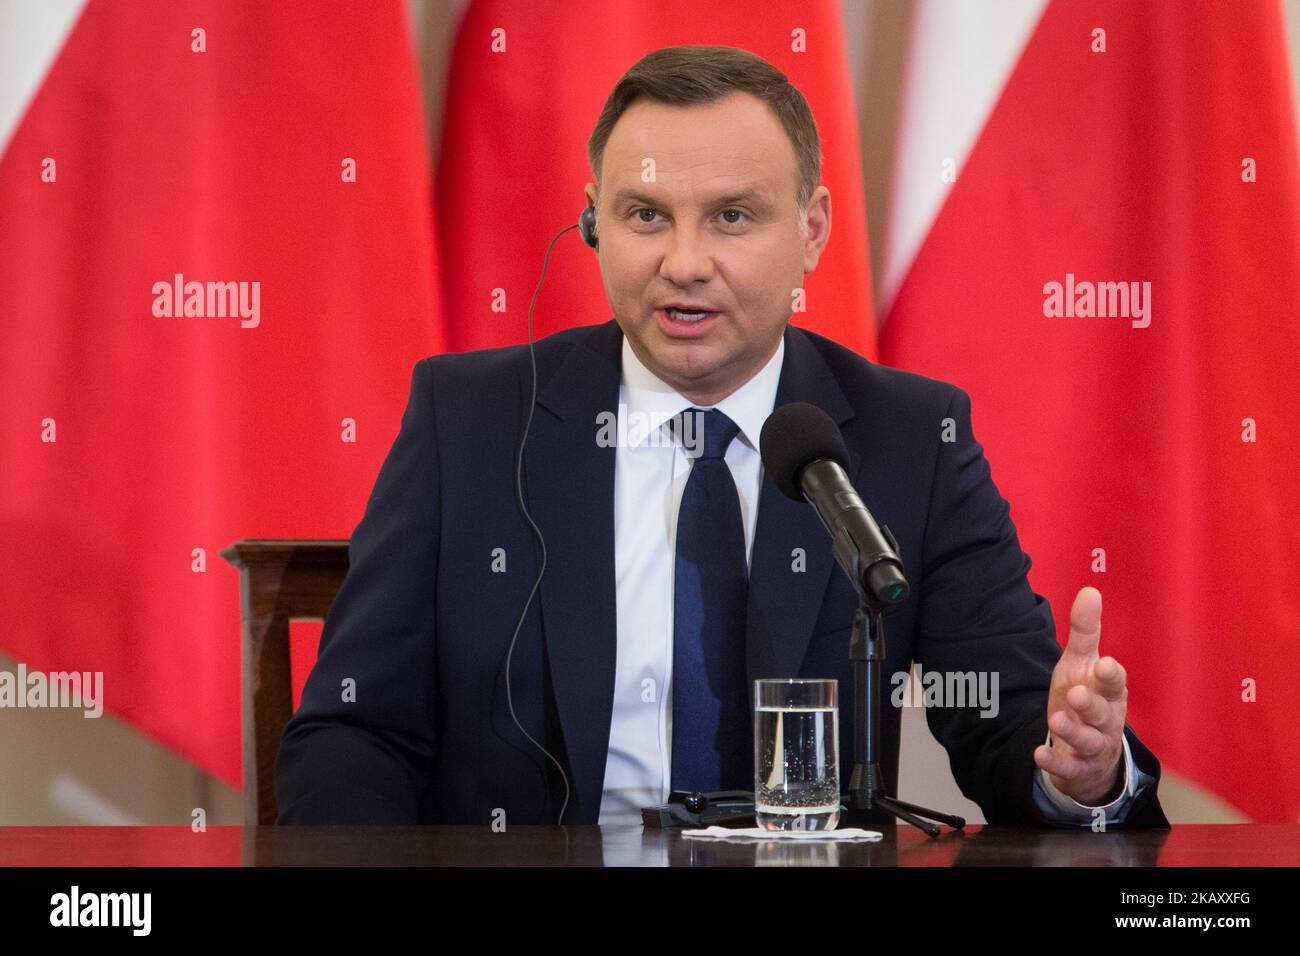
(740, 213)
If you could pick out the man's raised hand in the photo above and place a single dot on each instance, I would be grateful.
(1086, 708)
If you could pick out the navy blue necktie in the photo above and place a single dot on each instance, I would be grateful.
(712, 726)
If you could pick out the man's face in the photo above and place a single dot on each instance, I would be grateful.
(715, 228)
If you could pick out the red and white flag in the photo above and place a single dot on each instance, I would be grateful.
(216, 274)
(1097, 235)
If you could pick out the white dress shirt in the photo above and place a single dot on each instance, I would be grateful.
(650, 474)
(651, 470)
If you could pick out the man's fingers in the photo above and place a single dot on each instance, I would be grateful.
(1110, 678)
(1092, 709)
(1085, 623)
(1087, 741)
(1060, 764)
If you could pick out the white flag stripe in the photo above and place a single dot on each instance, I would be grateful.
(32, 33)
(960, 55)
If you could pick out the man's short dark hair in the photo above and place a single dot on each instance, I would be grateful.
(684, 75)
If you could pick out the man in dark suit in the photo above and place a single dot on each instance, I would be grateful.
(675, 571)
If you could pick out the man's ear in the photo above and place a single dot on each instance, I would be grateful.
(819, 227)
(590, 191)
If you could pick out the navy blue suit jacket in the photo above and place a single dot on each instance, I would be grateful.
(420, 628)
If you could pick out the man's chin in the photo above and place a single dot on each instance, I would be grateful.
(695, 378)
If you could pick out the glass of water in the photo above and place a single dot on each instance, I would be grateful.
(796, 754)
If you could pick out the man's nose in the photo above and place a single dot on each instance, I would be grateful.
(688, 257)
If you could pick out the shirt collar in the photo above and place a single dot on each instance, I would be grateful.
(748, 406)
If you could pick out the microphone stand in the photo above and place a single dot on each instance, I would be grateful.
(867, 784)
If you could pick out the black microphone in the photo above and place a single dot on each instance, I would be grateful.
(804, 453)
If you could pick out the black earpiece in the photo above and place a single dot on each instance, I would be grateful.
(587, 226)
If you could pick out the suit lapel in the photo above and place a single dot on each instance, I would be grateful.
(569, 485)
(784, 603)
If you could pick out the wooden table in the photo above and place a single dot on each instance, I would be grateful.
(471, 846)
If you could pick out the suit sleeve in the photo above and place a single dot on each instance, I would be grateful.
(977, 613)
(361, 746)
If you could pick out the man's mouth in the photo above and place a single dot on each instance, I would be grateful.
(683, 323)
(681, 316)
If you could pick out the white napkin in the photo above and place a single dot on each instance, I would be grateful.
(757, 833)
